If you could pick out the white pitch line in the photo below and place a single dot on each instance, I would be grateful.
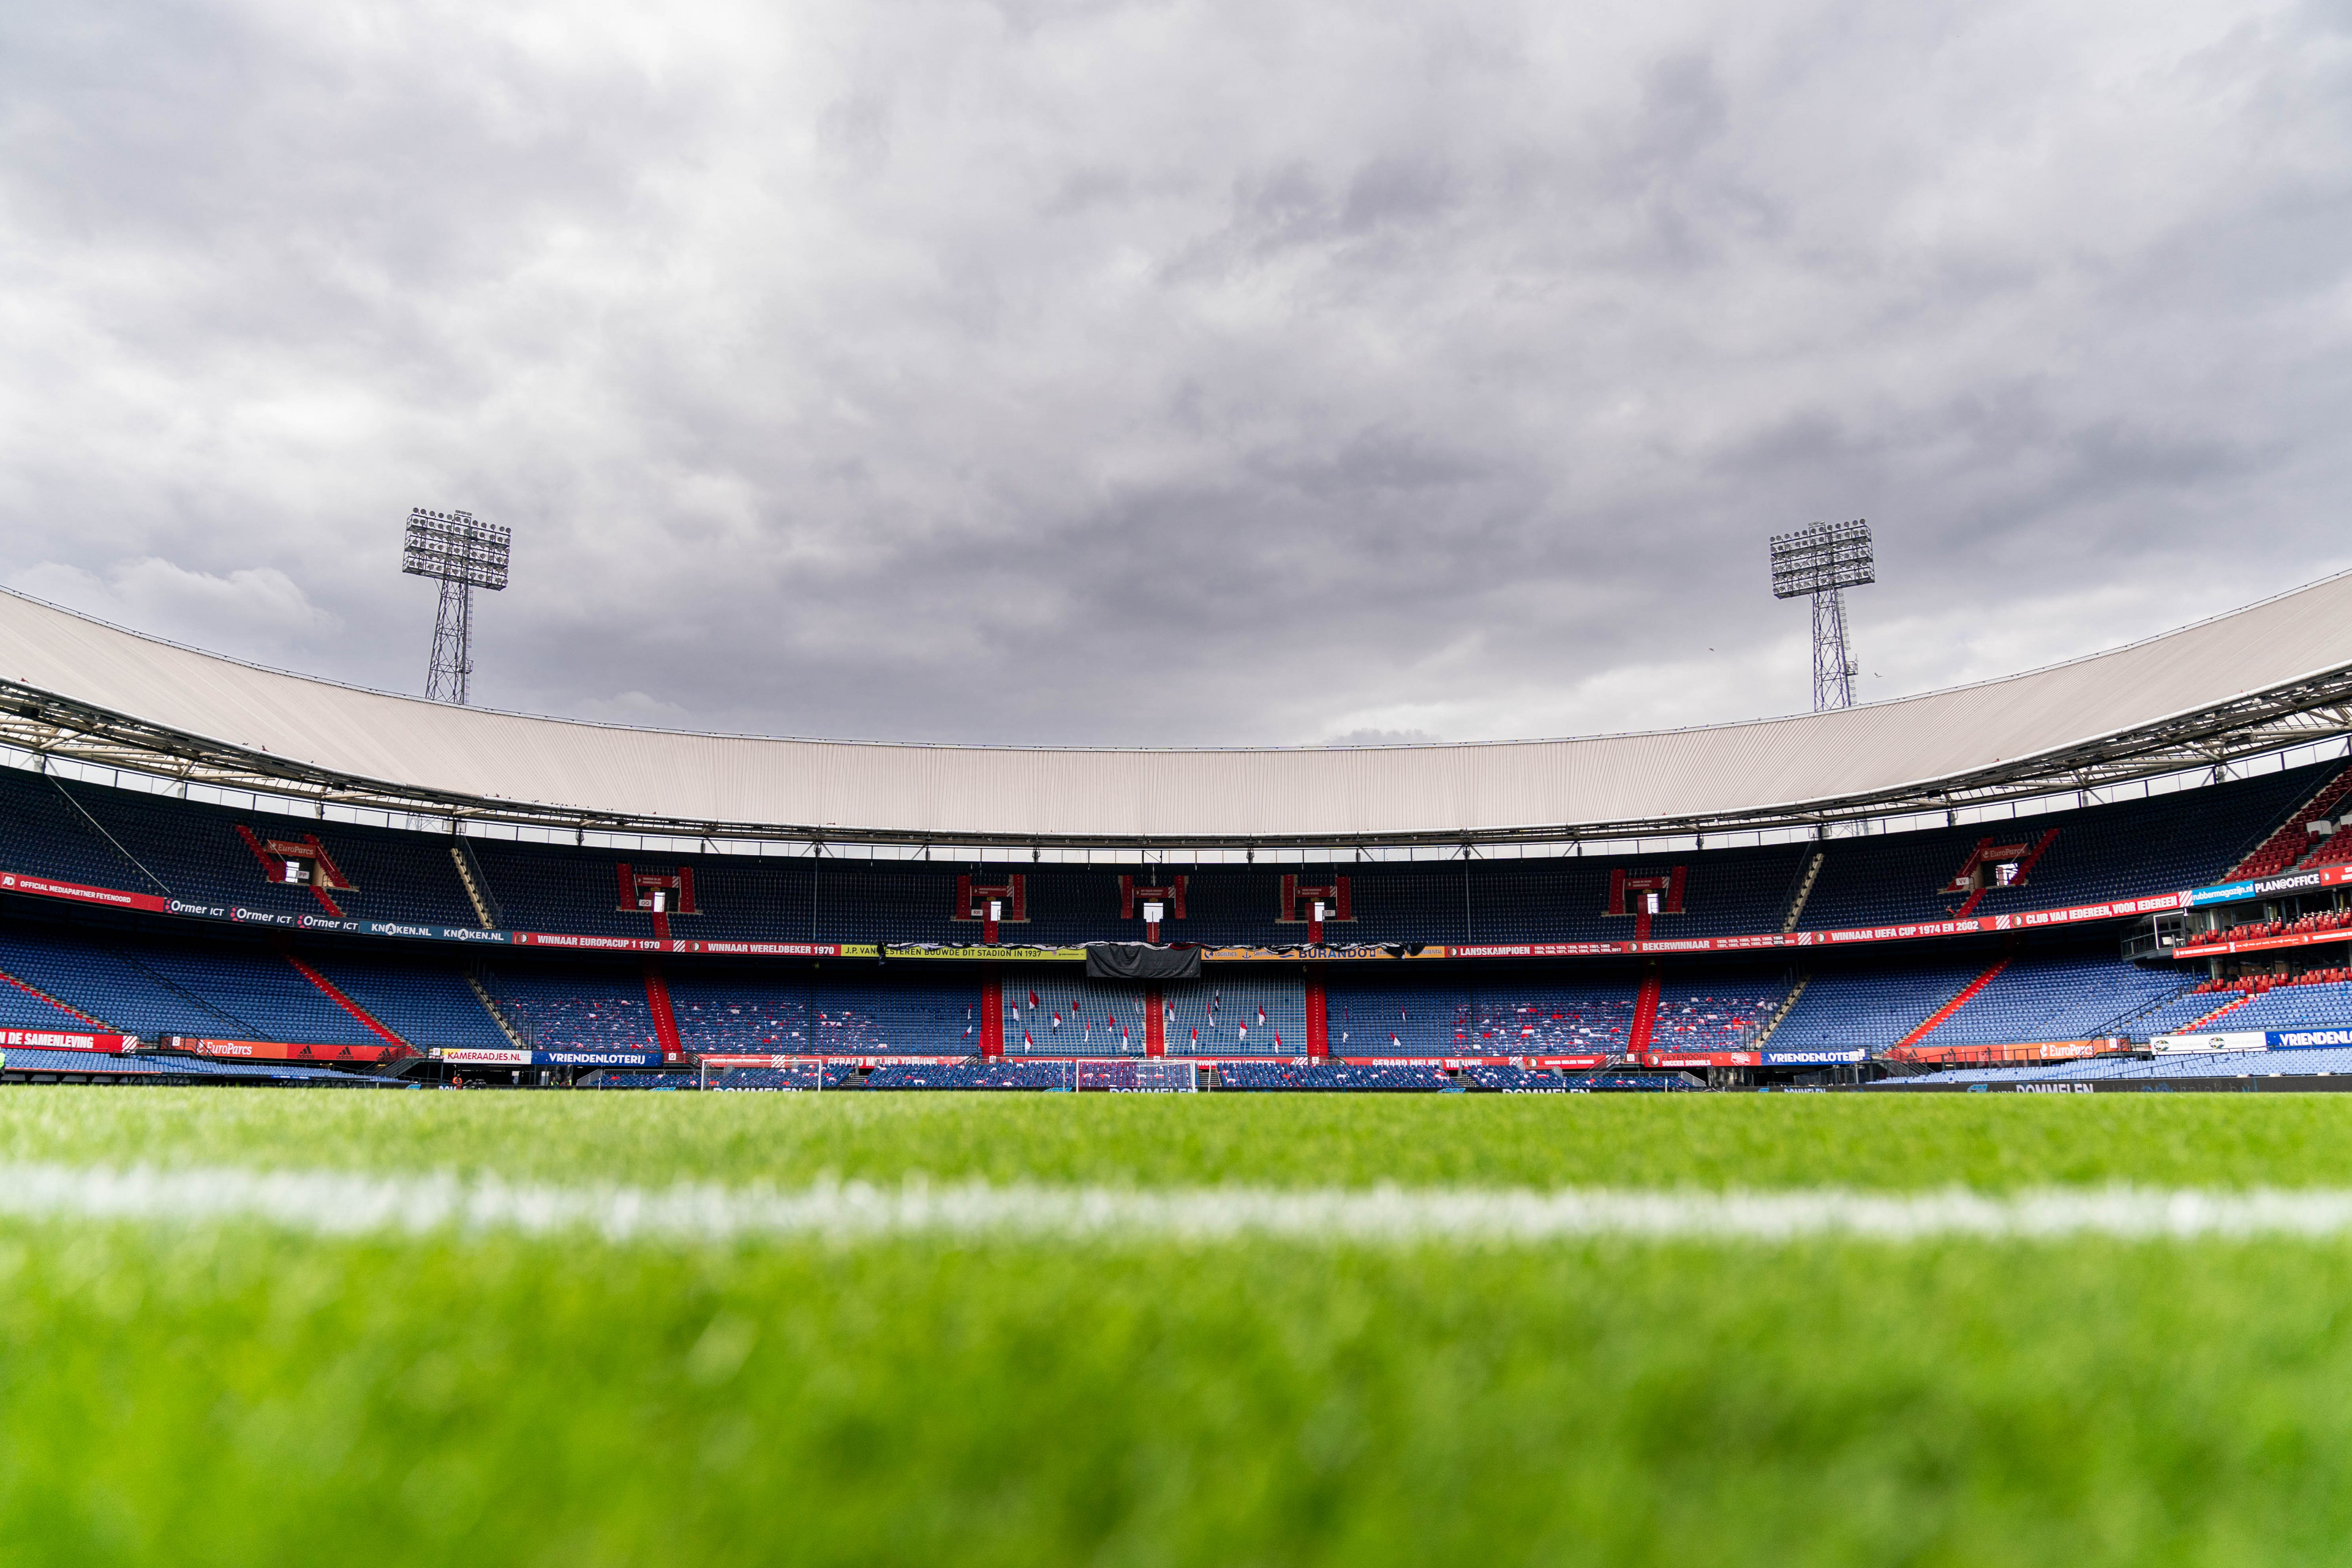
(327, 1203)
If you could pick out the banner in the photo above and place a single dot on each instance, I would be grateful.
(115, 898)
(2029, 1051)
(2228, 1040)
(2307, 1039)
(932, 949)
(283, 1051)
(1141, 960)
(2258, 943)
(67, 1040)
(492, 1057)
(2262, 887)
(683, 945)
(1813, 1058)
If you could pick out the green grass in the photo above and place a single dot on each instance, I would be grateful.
(1988, 1141)
(230, 1394)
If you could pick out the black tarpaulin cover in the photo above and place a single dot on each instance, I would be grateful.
(1141, 960)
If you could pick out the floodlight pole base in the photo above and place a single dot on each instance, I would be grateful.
(453, 645)
(1833, 669)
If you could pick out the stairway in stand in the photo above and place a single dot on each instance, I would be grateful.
(665, 1020)
(1936, 1019)
(1646, 1011)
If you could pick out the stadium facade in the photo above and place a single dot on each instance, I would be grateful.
(208, 868)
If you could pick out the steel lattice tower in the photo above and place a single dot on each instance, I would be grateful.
(462, 554)
(1821, 562)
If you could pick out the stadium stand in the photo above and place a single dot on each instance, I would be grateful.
(576, 1008)
(2054, 999)
(2292, 840)
(2192, 1065)
(1871, 1007)
(175, 1068)
(1294, 1077)
(1470, 1015)
(1723, 1013)
(2322, 1001)
(1513, 1081)
(212, 981)
(426, 1004)
(102, 836)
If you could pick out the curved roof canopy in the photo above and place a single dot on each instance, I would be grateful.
(2250, 681)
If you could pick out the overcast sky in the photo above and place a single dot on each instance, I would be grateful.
(1174, 373)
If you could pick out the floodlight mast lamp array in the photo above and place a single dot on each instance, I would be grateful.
(462, 554)
(1822, 562)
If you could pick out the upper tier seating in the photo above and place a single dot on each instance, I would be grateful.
(193, 851)
(2127, 850)
(2293, 841)
(130, 840)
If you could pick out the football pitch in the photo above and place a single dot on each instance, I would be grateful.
(249, 1327)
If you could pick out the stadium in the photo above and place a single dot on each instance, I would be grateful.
(1112, 853)
(1274, 1294)
(2118, 873)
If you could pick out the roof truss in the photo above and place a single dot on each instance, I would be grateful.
(2315, 709)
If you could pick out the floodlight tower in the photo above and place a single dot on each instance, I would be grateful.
(463, 553)
(1822, 562)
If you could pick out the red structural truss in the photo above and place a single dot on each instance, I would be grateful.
(324, 873)
(973, 898)
(1988, 853)
(1155, 1022)
(1667, 884)
(637, 888)
(1319, 1019)
(1298, 901)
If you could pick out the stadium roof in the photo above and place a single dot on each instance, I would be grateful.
(2248, 682)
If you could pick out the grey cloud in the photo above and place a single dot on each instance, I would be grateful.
(1183, 372)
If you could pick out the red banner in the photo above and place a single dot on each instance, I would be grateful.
(1701, 1058)
(58, 1040)
(2037, 1052)
(114, 898)
(1904, 932)
(2262, 943)
(651, 944)
(281, 1051)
